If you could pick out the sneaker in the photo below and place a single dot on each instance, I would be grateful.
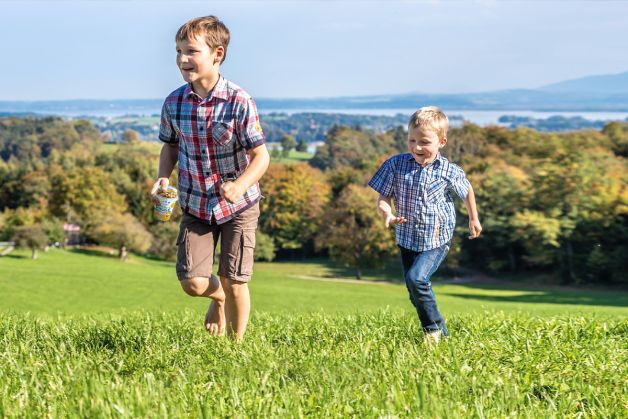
(432, 338)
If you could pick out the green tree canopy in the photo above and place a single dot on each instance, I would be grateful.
(117, 230)
(354, 233)
(296, 198)
(287, 144)
(352, 147)
(30, 236)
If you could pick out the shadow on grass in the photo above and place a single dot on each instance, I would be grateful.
(14, 256)
(391, 272)
(94, 252)
(527, 293)
(544, 296)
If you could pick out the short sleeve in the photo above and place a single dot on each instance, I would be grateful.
(249, 128)
(167, 133)
(382, 181)
(460, 184)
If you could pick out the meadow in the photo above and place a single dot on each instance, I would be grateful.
(83, 334)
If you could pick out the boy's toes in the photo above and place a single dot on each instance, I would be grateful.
(214, 319)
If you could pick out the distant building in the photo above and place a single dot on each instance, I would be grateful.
(72, 234)
(311, 147)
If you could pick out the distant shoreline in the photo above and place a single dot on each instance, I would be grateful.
(479, 117)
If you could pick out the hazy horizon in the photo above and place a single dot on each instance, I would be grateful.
(113, 50)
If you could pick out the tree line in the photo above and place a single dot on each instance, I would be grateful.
(550, 203)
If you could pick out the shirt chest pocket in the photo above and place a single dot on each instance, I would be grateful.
(222, 132)
(436, 191)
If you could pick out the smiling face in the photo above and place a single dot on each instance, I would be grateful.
(198, 62)
(423, 144)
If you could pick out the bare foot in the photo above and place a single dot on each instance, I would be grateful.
(215, 321)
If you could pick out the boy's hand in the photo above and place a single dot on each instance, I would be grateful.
(392, 220)
(160, 185)
(474, 229)
(232, 191)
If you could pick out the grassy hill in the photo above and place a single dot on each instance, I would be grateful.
(85, 335)
(90, 282)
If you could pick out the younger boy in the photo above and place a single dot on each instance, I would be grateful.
(210, 126)
(420, 183)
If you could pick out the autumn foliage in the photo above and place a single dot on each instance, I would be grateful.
(550, 203)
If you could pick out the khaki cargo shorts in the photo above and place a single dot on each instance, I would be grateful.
(197, 242)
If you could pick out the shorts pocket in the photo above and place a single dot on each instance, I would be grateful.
(183, 251)
(247, 252)
(222, 132)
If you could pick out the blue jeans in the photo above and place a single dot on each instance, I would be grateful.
(418, 268)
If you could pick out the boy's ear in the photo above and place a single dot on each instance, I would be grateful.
(442, 142)
(220, 53)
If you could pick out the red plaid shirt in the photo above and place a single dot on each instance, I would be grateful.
(214, 135)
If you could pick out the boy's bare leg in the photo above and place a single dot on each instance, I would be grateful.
(237, 306)
(215, 321)
(209, 287)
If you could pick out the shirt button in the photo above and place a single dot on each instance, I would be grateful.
(206, 173)
(204, 151)
(201, 128)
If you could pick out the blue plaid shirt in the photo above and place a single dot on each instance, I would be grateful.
(422, 195)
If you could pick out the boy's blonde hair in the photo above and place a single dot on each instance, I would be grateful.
(432, 118)
(211, 28)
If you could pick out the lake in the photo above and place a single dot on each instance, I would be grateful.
(477, 117)
(481, 118)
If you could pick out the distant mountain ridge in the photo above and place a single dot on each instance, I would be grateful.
(607, 83)
(586, 94)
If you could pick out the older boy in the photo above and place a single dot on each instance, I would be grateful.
(420, 182)
(211, 127)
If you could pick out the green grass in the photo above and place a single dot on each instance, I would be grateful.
(147, 146)
(86, 335)
(82, 281)
(293, 157)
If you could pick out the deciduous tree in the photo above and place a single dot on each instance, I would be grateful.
(296, 197)
(354, 233)
(31, 236)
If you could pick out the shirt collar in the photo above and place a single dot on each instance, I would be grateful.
(434, 164)
(219, 91)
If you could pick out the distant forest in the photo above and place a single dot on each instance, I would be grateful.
(550, 203)
(311, 127)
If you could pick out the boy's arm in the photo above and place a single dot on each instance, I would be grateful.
(167, 160)
(474, 221)
(233, 191)
(384, 208)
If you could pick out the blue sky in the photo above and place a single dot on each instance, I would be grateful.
(125, 49)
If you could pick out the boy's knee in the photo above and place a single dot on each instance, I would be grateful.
(233, 288)
(194, 287)
(417, 277)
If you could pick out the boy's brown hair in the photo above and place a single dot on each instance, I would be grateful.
(211, 28)
(432, 118)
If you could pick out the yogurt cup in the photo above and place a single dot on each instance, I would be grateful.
(167, 199)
